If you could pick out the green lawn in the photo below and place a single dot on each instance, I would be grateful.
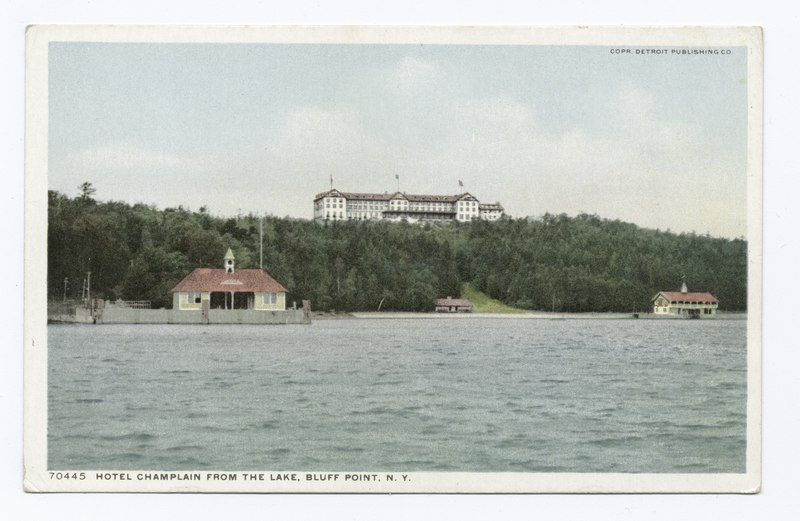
(483, 303)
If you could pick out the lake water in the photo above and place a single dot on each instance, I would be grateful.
(443, 394)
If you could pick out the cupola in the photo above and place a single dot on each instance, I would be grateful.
(229, 261)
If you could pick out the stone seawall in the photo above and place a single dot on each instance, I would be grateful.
(113, 315)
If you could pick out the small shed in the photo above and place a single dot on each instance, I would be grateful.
(453, 305)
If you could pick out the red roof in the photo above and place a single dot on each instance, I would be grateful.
(213, 279)
(677, 296)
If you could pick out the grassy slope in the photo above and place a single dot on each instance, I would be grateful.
(483, 303)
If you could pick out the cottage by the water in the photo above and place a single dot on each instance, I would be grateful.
(453, 305)
(684, 303)
(229, 288)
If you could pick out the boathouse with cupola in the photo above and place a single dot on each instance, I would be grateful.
(228, 288)
(684, 303)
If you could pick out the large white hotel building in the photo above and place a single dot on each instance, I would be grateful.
(334, 205)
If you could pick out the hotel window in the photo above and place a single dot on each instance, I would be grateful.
(269, 298)
(193, 297)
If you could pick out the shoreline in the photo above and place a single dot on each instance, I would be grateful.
(432, 315)
(536, 315)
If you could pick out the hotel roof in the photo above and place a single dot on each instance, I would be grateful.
(396, 195)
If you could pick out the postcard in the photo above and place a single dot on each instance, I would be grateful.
(393, 259)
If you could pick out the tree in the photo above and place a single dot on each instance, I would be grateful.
(86, 191)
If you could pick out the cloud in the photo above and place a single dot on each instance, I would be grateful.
(411, 75)
(536, 133)
(318, 134)
(130, 156)
(638, 166)
(125, 170)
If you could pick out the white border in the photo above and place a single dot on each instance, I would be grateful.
(781, 254)
(35, 244)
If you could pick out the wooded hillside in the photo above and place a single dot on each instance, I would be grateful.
(584, 263)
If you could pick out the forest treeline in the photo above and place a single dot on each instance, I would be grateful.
(570, 264)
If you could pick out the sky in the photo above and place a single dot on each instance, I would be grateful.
(657, 140)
